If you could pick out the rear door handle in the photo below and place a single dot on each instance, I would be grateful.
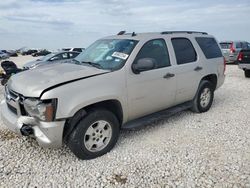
(198, 68)
(168, 75)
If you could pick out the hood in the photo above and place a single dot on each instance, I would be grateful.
(32, 63)
(32, 83)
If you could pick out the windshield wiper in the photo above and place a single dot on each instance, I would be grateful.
(92, 64)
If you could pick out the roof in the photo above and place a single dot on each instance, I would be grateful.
(140, 36)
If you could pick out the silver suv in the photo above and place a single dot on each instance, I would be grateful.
(231, 49)
(118, 82)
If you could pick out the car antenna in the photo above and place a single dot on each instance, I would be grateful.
(121, 33)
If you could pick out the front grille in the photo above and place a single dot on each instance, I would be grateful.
(12, 109)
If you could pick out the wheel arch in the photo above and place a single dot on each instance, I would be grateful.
(112, 105)
(211, 78)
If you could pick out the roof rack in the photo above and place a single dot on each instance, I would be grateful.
(124, 32)
(188, 32)
(121, 33)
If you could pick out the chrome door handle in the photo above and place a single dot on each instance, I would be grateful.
(168, 75)
(198, 68)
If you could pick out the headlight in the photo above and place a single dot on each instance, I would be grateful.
(43, 110)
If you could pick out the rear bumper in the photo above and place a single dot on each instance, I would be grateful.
(230, 58)
(47, 134)
(244, 66)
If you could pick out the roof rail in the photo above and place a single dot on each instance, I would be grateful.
(124, 33)
(121, 33)
(188, 32)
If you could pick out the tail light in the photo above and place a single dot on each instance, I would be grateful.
(232, 49)
(240, 56)
(224, 65)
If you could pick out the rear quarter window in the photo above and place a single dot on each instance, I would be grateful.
(209, 47)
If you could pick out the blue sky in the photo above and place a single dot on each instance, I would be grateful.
(55, 24)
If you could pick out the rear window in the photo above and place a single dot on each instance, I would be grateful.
(184, 51)
(209, 47)
(225, 45)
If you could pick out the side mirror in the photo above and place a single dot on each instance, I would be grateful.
(143, 64)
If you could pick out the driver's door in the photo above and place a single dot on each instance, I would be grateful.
(152, 90)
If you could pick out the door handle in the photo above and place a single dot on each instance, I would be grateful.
(198, 68)
(168, 75)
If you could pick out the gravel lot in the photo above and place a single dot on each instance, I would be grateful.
(186, 150)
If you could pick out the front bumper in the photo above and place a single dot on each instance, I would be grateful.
(47, 134)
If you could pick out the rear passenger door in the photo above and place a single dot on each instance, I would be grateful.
(188, 69)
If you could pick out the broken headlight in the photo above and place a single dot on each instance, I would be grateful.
(43, 110)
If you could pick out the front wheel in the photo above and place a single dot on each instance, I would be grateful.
(247, 73)
(95, 135)
(204, 97)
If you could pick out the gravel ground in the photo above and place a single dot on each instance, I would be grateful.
(186, 150)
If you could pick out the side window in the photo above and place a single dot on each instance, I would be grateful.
(184, 51)
(157, 50)
(73, 55)
(245, 45)
(64, 56)
(209, 47)
(238, 45)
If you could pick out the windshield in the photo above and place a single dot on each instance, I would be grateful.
(110, 54)
(47, 57)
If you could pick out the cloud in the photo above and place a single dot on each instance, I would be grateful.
(38, 20)
(82, 21)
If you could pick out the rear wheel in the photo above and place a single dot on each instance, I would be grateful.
(204, 97)
(247, 73)
(94, 135)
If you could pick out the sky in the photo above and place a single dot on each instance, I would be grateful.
(55, 24)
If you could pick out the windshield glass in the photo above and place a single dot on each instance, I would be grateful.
(47, 57)
(110, 54)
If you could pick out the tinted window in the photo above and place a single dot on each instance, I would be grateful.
(244, 45)
(184, 50)
(73, 55)
(157, 50)
(209, 47)
(238, 45)
(77, 49)
(225, 45)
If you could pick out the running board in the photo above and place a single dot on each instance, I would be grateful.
(156, 117)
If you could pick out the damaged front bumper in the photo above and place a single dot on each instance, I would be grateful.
(47, 134)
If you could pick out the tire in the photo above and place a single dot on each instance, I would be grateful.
(247, 73)
(203, 102)
(88, 134)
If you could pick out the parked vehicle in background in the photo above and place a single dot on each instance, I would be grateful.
(120, 81)
(9, 69)
(3, 55)
(244, 61)
(74, 49)
(231, 49)
(41, 53)
(11, 53)
(29, 52)
(59, 57)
